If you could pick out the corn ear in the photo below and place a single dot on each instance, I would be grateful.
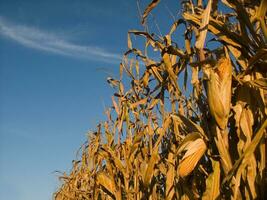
(219, 91)
(194, 151)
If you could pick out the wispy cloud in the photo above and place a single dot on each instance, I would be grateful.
(42, 40)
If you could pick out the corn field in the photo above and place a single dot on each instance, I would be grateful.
(188, 121)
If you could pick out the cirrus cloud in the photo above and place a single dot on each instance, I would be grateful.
(49, 42)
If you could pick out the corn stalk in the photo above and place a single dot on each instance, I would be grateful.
(165, 139)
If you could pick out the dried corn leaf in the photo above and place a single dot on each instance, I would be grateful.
(170, 185)
(149, 172)
(105, 181)
(249, 150)
(261, 11)
(204, 26)
(146, 78)
(189, 124)
(213, 183)
(261, 54)
(114, 158)
(175, 25)
(246, 123)
(152, 5)
(115, 105)
(129, 42)
(140, 102)
(259, 83)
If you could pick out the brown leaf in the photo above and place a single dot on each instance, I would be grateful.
(152, 5)
(204, 26)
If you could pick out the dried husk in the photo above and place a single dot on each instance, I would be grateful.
(194, 151)
(219, 91)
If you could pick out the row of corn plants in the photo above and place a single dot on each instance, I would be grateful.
(190, 123)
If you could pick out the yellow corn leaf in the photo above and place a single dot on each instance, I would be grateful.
(261, 10)
(192, 127)
(238, 111)
(246, 123)
(149, 172)
(175, 25)
(137, 68)
(260, 16)
(204, 26)
(153, 103)
(129, 41)
(121, 71)
(238, 56)
(155, 44)
(251, 175)
(194, 79)
(142, 101)
(219, 29)
(106, 182)
(259, 83)
(146, 78)
(185, 197)
(170, 176)
(213, 183)
(156, 74)
(225, 2)
(261, 54)
(222, 147)
(112, 156)
(262, 164)
(115, 105)
(249, 150)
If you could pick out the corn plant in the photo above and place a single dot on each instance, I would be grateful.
(188, 123)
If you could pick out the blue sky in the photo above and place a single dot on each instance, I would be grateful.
(54, 60)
